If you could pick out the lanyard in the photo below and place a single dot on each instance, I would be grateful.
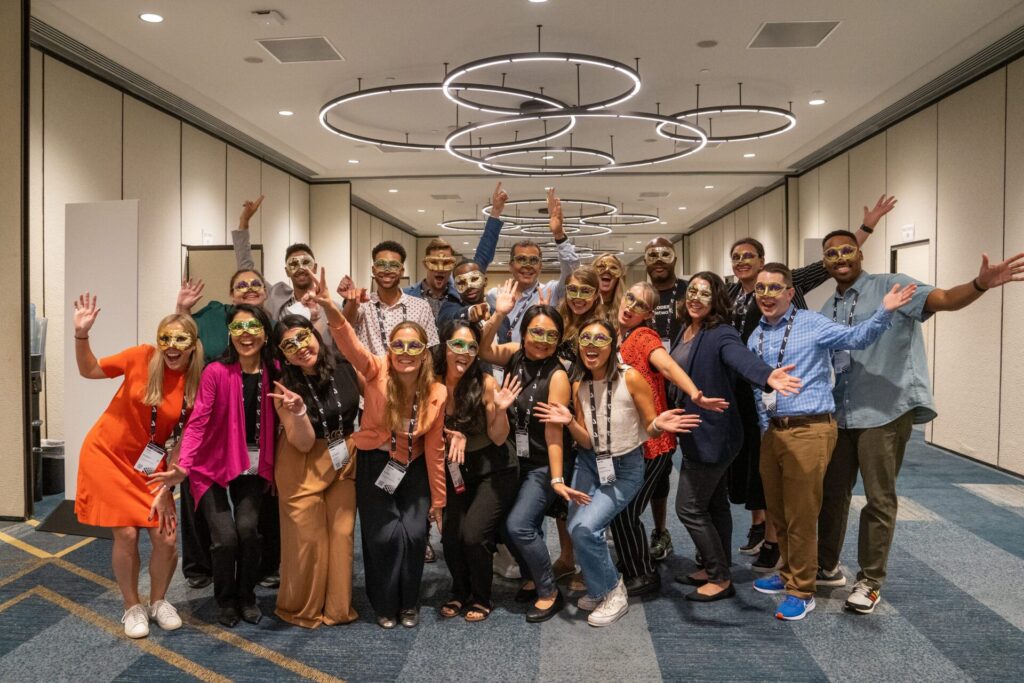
(259, 406)
(849, 314)
(608, 417)
(740, 307)
(320, 411)
(525, 296)
(785, 340)
(177, 428)
(412, 428)
(528, 397)
(380, 321)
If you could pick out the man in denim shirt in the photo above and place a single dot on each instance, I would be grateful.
(880, 393)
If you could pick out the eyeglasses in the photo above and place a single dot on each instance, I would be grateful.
(579, 291)
(183, 341)
(236, 328)
(598, 340)
(743, 257)
(634, 304)
(543, 336)
(244, 286)
(610, 267)
(462, 347)
(771, 290)
(408, 348)
(843, 253)
(387, 266)
(659, 254)
(471, 280)
(439, 263)
(700, 294)
(522, 260)
(297, 263)
(294, 344)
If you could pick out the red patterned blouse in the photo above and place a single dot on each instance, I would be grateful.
(636, 352)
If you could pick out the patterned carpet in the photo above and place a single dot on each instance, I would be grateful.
(953, 609)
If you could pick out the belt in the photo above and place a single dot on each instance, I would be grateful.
(799, 420)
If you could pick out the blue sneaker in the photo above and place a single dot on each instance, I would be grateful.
(793, 608)
(770, 584)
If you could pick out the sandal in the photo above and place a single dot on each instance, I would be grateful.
(452, 608)
(477, 612)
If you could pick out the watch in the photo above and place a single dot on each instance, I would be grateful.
(557, 480)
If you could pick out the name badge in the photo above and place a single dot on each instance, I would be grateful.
(499, 374)
(391, 477)
(522, 444)
(666, 344)
(254, 458)
(339, 453)
(151, 457)
(606, 468)
(300, 309)
(770, 401)
(841, 361)
(457, 481)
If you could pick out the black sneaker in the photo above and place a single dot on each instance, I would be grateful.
(834, 578)
(271, 580)
(755, 537)
(661, 544)
(768, 558)
(643, 584)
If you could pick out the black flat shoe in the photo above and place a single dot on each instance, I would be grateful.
(410, 618)
(643, 584)
(688, 580)
(536, 615)
(228, 617)
(251, 614)
(729, 592)
(526, 595)
(198, 582)
(386, 622)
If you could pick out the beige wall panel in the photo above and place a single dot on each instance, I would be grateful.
(35, 179)
(152, 172)
(732, 225)
(867, 184)
(741, 225)
(755, 220)
(833, 197)
(773, 234)
(77, 167)
(203, 171)
(243, 182)
(718, 245)
(274, 219)
(791, 232)
(687, 251)
(808, 218)
(910, 168)
(969, 221)
(1011, 427)
(362, 246)
(298, 206)
(330, 235)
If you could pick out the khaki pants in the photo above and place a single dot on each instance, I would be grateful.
(877, 453)
(793, 464)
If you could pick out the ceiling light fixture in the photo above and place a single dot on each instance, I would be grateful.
(515, 208)
(353, 161)
(749, 155)
(817, 101)
(392, 190)
(709, 187)
(682, 208)
(285, 112)
(421, 210)
(709, 112)
(151, 18)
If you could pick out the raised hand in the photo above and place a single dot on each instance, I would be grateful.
(505, 300)
(1010, 270)
(898, 296)
(85, 314)
(677, 421)
(554, 213)
(190, 293)
(348, 291)
(498, 199)
(786, 384)
(287, 398)
(249, 209)
(456, 445)
(479, 312)
(555, 413)
(544, 296)
(715, 405)
(309, 301)
(883, 206)
(174, 475)
(511, 388)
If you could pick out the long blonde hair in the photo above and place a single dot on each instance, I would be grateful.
(155, 383)
(620, 287)
(588, 276)
(398, 398)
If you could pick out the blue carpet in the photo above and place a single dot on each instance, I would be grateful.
(952, 609)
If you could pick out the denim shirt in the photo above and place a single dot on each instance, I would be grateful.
(483, 256)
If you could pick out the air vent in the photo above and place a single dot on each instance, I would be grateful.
(793, 33)
(445, 197)
(299, 50)
(396, 150)
(653, 195)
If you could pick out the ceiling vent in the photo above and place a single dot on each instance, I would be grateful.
(300, 50)
(397, 150)
(445, 197)
(653, 195)
(793, 33)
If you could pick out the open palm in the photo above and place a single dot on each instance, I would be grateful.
(86, 311)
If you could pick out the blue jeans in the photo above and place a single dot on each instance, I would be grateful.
(587, 523)
(525, 526)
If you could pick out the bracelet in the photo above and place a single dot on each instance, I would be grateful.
(557, 480)
(653, 427)
(87, 336)
(302, 413)
(977, 287)
(866, 229)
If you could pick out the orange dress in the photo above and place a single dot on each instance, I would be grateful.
(111, 492)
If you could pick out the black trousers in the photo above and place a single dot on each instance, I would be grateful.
(236, 543)
(270, 531)
(393, 533)
(702, 504)
(470, 532)
(628, 530)
(195, 537)
(744, 474)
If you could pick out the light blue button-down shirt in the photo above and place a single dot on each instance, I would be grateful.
(889, 378)
(810, 345)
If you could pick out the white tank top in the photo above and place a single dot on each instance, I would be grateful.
(627, 432)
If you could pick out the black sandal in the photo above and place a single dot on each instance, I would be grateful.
(477, 608)
(451, 609)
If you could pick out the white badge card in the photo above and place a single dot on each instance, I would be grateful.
(254, 458)
(770, 401)
(666, 344)
(151, 457)
(841, 361)
(390, 477)
(522, 444)
(499, 374)
(606, 468)
(298, 308)
(339, 453)
(457, 481)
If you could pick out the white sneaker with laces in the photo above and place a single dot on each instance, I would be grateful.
(587, 603)
(863, 598)
(614, 606)
(164, 614)
(136, 622)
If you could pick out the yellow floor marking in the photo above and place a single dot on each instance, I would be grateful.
(16, 599)
(22, 572)
(85, 574)
(21, 545)
(32, 522)
(73, 548)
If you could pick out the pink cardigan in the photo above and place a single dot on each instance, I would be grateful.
(213, 449)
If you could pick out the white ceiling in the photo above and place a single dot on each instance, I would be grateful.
(880, 52)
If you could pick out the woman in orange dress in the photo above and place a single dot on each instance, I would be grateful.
(126, 444)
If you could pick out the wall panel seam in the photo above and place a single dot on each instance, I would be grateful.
(1002, 294)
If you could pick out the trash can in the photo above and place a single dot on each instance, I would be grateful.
(52, 456)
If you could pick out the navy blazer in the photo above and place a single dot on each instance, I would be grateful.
(718, 360)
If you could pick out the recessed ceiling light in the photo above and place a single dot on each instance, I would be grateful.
(465, 242)
(151, 18)
(421, 210)
(392, 190)
(749, 155)
(548, 157)
(817, 101)
(705, 71)
(709, 187)
(353, 161)
(682, 208)
(639, 242)
(537, 2)
(285, 112)
(664, 222)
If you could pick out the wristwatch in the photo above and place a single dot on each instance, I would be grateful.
(557, 480)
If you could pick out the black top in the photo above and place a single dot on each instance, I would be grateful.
(521, 415)
(250, 401)
(486, 456)
(339, 410)
(746, 314)
(666, 322)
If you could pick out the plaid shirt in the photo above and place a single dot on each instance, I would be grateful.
(368, 321)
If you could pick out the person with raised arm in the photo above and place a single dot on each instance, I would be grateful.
(612, 278)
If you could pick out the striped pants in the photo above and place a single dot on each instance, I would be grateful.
(628, 530)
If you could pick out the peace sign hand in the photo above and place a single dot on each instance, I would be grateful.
(85, 314)
(504, 397)
(289, 399)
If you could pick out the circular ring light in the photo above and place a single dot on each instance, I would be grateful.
(449, 87)
(700, 137)
(621, 220)
(472, 225)
(434, 87)
(606, 209)
(789, 122)
(569, 228)
(583, 151)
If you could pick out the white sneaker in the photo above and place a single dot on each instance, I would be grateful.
(587, 603)
(612, 608)
(136, 622)
(863, 598)
(505, 565)
(165, 615)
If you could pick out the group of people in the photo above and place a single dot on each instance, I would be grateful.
(287, 412)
